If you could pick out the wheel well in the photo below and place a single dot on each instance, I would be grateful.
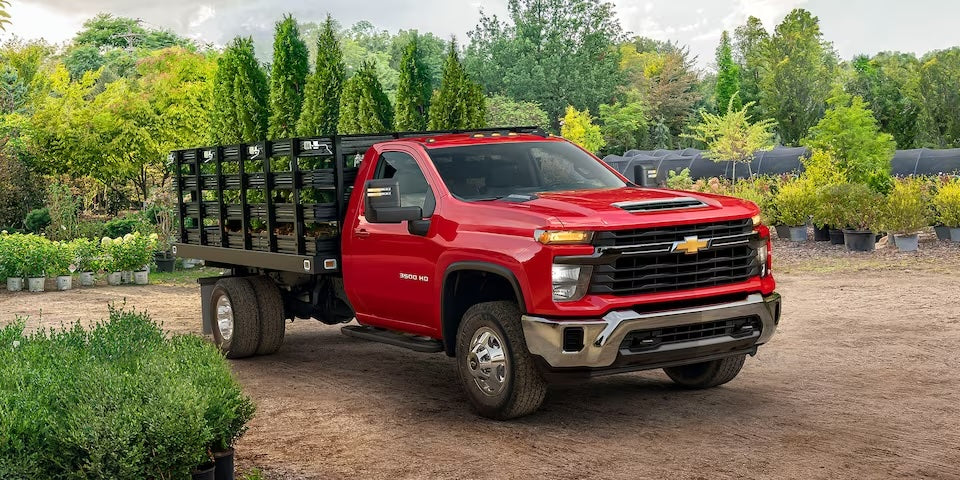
(465, 288)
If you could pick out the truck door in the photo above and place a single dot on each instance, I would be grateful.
(389, 271)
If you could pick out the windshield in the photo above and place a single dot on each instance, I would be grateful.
(495, 170)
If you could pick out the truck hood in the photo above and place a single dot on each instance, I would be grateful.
(629, 207)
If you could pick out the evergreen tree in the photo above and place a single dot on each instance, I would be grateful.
(413, 89)
(748, 42)
(322, 100)
(728, 76)
(287, 78)
(250, 92)
(223, 115)
(459, 103)
(364, 107)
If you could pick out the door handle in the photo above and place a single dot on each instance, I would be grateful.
(361, 233)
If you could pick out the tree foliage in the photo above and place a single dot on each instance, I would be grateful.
(663, 75)
(552, 52)
(851, 134)
(287, 78)
(748, 42)
(799, 67)
(732, 136)
(940, 98)
(503, 111)
(624, 125)
(321, 105)
(728, 76)
(578, 127)
(364, 107)
(459, 103)
(889, 84)
(413, 90)
(250, 92)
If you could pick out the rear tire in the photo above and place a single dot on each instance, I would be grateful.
(706, 374)
(272, 322)
(496, 370)
(235, 317)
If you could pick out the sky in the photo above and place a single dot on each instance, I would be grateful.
(854, 26)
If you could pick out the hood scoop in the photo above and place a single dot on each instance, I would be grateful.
(659, 205)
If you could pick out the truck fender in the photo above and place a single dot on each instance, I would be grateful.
(449, 325)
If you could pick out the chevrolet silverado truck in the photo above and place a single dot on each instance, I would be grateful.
(519, 254)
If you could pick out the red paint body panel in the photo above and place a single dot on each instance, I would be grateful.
(500, 233)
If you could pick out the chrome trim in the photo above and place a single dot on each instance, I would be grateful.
(663, 201)
(603, 336)
(666, 247)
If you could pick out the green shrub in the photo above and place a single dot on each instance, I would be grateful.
(19, 190)
(88, 255)
(11, 255)
(679, 181)
(829, 205)
(947, 204)
(125, 225)
(907, 208)
(116, 401)
(794, 202)
(37, 220)
(64, 212)
(35, 256)
(862, 208)
(91, 229)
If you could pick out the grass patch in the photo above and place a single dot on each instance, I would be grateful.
(187, 277)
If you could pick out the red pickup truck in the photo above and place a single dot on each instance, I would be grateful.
(519, 254)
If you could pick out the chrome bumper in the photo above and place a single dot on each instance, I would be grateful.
(603, 337)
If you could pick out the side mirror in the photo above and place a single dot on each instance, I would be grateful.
(382, 203)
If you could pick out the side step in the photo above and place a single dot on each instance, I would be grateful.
(417, 344)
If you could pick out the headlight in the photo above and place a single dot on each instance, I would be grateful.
(756, 220)
(570, 282)
(563, 237)
(763, 258)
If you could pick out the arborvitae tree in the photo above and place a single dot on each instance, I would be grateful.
(364, 108)
(728, 76)
(459, 103)
(250, 92)
(413, 89)
(287, 78)
(321, 104)
(223, 116)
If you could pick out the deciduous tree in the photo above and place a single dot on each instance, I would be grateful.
(503, 111)
(578, 127)
(731, 136)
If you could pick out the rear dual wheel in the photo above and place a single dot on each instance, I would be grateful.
(247, 316)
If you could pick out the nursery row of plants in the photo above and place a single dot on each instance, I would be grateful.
(35, 258)
(842, 211)
(118, 400)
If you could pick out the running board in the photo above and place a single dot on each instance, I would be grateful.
(417, 344)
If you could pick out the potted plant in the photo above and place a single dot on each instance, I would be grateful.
(141, 251)
(163, 213)
(35, 257)
(11, 260)
(87, 259)
(906, 213)
(829, 208)
(61, 264)
(793, 203)
(947, 204)
(113, 259)
(862, 210)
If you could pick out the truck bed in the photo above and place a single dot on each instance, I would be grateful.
(237, 209)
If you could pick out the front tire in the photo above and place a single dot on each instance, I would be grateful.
(496, 370)
(235, 317)
(706, 374)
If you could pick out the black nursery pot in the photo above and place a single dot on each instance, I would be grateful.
(224, 462)
(203, 472)
(165, 265)
(857, 241)
(836, 237)
(821, 234)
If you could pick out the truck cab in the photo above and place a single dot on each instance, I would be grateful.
(519, 254)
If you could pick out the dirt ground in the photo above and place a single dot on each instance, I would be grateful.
(860, 381)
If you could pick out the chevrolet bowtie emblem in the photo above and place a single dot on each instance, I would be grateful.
(690, 245)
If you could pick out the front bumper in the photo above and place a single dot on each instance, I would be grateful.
(603, 343)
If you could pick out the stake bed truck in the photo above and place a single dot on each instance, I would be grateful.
(517, 253)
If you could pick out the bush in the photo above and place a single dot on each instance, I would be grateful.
(828, 210)
(862, 208)
(679, 181)
(11, 255)
(36, 256)
(947, 204)
(88, 255)
(37, 220)
(131, 252)
(906, 210)
(117, 401)
(91, 229)
(125, 225)
(64, 212)
(794, 202)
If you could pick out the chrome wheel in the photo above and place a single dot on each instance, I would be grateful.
(487, 361)
(225, 318)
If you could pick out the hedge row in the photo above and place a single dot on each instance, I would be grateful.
(119, 400)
